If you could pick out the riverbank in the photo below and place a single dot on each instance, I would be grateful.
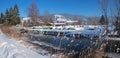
(112, 55)
(10, 48)
(57, 46)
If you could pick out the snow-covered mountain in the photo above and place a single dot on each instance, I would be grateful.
(59, 17)
(68, 17)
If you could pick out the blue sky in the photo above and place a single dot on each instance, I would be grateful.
(80, 7)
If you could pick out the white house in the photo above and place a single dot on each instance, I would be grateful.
(26, 19)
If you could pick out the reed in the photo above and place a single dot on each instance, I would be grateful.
(11, 31)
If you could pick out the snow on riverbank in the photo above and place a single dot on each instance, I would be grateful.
(10, 48)
(112, 55)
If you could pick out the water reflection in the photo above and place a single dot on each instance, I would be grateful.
(68, 44)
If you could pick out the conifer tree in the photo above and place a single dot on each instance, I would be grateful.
(16, 16)
(6, 17)
(11, 11)
(102, 20)
(2, 18)
(11, 16)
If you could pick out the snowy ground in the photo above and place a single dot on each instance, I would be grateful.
(10, 48)
(117, 39)
(112, 55)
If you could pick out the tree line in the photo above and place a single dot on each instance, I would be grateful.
(11, 16)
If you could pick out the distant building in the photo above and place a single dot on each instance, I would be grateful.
(61, 20)
(57, 20)
(26, 19)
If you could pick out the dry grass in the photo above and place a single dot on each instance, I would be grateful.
(11, 31)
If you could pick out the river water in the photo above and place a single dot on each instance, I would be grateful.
(69, 44)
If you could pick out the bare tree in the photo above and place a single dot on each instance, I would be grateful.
(33, 12)
(46, 12)
(47, 17)
(104, 9)
(117, 15)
